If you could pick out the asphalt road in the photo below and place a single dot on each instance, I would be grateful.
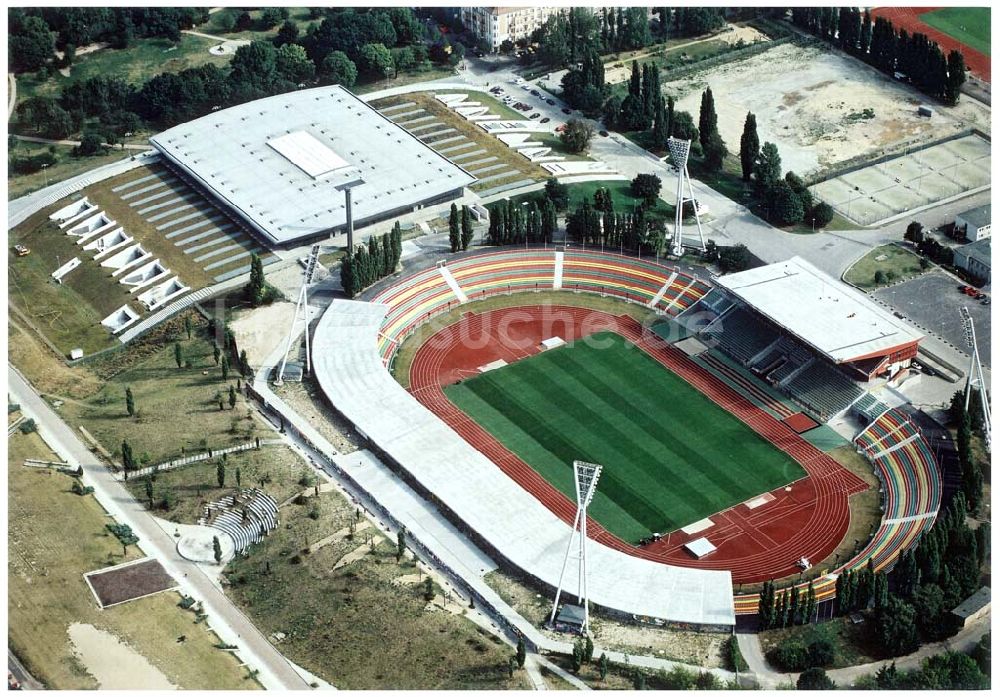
(233, 626)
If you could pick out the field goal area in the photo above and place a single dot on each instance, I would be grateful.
(912, 180)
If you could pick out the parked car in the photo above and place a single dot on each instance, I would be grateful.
(21, 251)
(519, 81)
(985, 301)
(545, 120)
(567, 111)
(535, 93)
(550, 102)
(603, 133)
(534, 116)
(980, 296)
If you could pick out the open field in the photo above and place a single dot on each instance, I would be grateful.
(853, 644)
(807, 101)
(667, 463)
(177, 407)
(136, 64)
(890, 259)
(621, 196)
(65, 167)
(908, 181)
(54, 537)
(968, 25)
(366, 624)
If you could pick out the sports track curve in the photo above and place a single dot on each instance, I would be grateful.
(908, 18)
(815, 537)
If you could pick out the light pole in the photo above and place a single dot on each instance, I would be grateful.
(44, 167)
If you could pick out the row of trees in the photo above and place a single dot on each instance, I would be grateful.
(633, 230)
(366, 264)
(514, 223)
(785, 608)
(951, 670)
(878, 43)
(459, 228)
(968, 421)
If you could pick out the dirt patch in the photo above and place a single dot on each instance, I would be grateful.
(115, 665)
(695, 648)
(260, 331)
(124, 583)
(819, 90)
(305, 399)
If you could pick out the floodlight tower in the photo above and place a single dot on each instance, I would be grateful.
(679, 151)
(976, 374)
(585, 475)
(346, 188)
(301, 306)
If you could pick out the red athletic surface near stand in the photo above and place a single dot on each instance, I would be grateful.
(764, 543)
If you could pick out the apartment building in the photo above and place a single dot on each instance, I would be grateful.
(494, 25)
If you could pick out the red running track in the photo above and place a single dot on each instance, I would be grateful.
(908, 18)
(810, 519)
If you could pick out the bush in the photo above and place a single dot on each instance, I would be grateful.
(821, 653)
(789, 657)
(822, 214)
(28, 426)
(814, 679)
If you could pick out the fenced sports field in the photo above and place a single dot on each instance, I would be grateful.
(911, 180)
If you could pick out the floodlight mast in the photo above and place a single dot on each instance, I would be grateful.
(349, 208)
(585, 475)
(976, 375)
(301, 306)
(679, 151)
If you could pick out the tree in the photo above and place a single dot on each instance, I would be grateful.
(287, 34)
(714, 150)
(216, 352)
(881, 278)
(225, 367)
(340, 69)
(522, 653)
(90, 144)
(44, 117)
(558, 193)
(256, 287)
(707, 119)
(767, 169)
(254, 69)
(577, 135)
(400, 544)
(375, 60)
(896, 627)
(216, 549)
(786, 206)
(814, 679)
(149, 491)
(454, 235)
(232, 396)
(239, 478)
(577, 658)
(178, 354)
(734, 258)
(30, 43)
(293, 64)
(129, 401)
(588, 649)
(821, 214)
(467, 231)
(187, 326)
(602, 665)
(956, 77)
(647, 187)
(220, 473)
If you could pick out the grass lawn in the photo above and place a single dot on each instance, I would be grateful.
(178, 407)
(621, 196)
(667, 463)
(65, 167)
(897, 263)
(970, 25)
(195, 485)
(366, 624)
(54, 537)
(136, 64)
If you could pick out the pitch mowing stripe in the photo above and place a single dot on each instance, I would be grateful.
(671, 455)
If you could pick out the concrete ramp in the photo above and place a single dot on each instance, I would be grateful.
(453, 284)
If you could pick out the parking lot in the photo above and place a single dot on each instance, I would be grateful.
(934, 302)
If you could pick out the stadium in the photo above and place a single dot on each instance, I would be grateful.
(704, 419)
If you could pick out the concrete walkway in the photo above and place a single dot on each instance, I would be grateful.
(232, 626)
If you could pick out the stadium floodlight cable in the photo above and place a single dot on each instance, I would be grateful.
(975, 376)
(679, 151)
(585, 476)
(301, 306)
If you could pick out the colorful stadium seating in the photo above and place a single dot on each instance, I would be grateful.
(417, 298)
(911, 483)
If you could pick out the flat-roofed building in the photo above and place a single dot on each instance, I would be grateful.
(975, 223)
(275, 164)
(975, 258)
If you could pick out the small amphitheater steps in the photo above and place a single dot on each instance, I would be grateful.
(246, 516)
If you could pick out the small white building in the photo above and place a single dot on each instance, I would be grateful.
(975, 223)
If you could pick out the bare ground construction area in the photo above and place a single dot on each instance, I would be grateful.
(811, 103)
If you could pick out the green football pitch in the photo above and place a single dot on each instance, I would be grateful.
(671, 456)
(970, 25)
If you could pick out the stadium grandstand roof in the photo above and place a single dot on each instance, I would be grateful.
(276, 162)
(838, 321)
